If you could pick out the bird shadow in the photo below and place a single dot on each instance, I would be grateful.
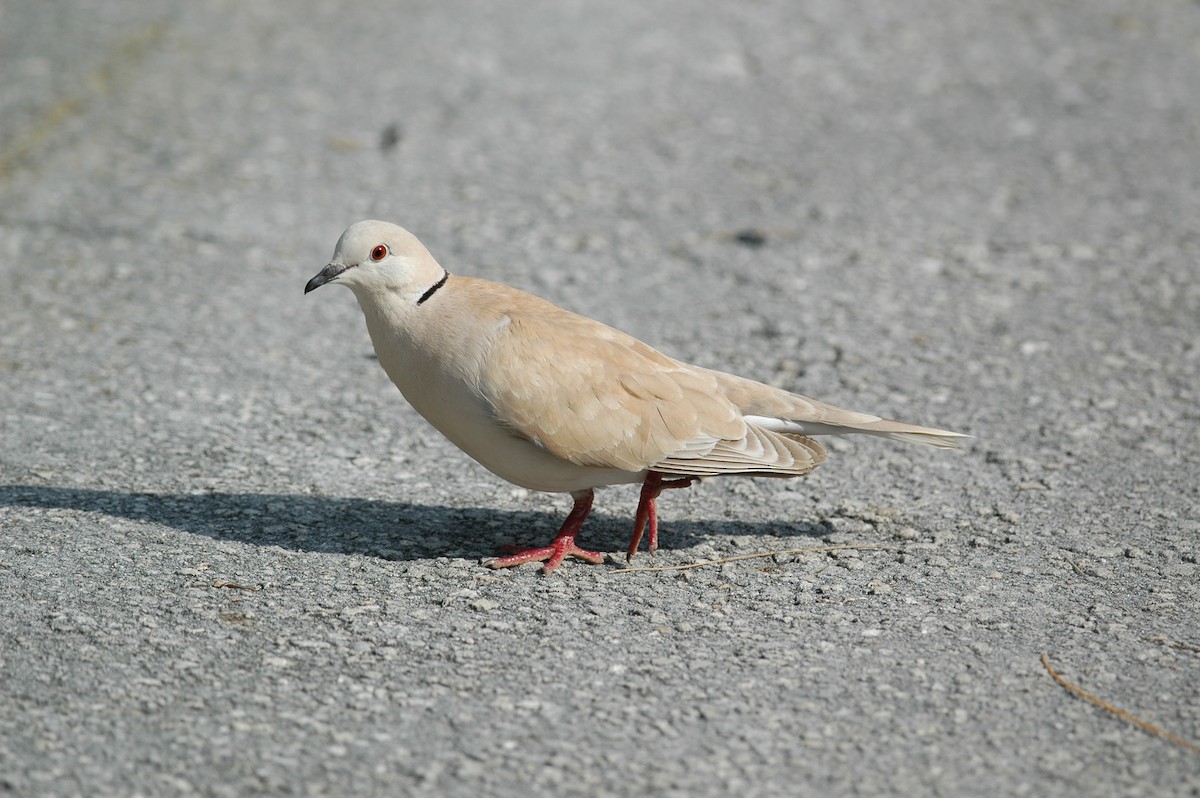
(372, 527)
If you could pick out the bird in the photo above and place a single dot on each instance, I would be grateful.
(554, 401)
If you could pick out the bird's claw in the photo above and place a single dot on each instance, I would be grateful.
(551, 555)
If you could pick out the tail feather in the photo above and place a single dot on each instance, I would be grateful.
(942, 439)
(790, 413)
(881, 427)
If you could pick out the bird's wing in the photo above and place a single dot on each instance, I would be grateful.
(595, 396)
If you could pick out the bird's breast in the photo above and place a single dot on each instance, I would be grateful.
(441, 383)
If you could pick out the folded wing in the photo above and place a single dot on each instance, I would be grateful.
(597, 397)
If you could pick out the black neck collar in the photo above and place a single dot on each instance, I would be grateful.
(433, 288)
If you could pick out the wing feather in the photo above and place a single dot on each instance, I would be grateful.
(595, 396)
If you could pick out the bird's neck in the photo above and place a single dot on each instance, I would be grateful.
(390, 319)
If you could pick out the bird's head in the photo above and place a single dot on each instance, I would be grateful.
(375, 257)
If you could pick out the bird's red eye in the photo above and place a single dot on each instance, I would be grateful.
(380, 252)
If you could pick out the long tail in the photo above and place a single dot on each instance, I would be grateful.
(881, 427)
(782, 411)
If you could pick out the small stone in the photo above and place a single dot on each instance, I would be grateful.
(1098, 571)
(390, 137)
(751, 237)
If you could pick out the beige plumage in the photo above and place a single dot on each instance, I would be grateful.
(554, 401)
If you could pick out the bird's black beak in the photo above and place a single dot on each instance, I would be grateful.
(326, 275)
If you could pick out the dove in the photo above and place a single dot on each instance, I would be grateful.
(553, 401)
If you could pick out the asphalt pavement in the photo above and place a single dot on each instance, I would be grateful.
(233, 561)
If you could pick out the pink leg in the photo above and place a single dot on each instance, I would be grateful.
(647, 515)
(562, 546)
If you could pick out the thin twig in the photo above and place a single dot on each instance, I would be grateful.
(723, 560)
(1120, 713)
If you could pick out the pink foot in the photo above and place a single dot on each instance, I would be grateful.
(552, 555)
(563, 545)
(647, 514)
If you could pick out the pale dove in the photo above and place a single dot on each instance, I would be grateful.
(553, 401)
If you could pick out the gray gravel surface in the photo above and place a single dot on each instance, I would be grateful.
(234, 562)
